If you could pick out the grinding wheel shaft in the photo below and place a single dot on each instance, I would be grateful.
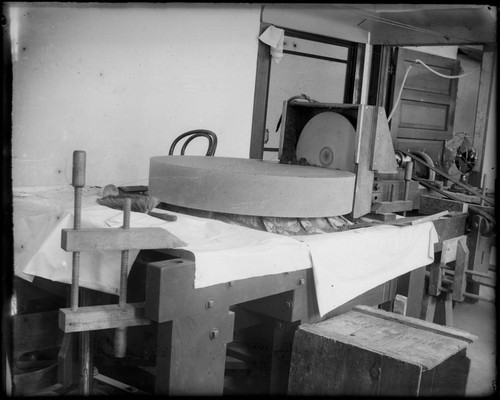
(120, 343)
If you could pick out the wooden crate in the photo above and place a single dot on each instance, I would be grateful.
(373, 352)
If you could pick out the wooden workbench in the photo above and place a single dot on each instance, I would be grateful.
(191, 328)
(194, 326)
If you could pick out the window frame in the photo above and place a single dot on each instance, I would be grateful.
(352, 88)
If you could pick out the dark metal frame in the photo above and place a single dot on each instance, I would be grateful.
(354, 64)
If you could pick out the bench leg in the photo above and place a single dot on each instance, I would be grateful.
(191, 354)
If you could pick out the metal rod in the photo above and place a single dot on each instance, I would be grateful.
(120, 343)
(78, 182)
(478, 297)
(79, 160)
(408, 175)
(467, 294)
(124, 265)
(451, 271)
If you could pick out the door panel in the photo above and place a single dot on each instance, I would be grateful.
(426, 110)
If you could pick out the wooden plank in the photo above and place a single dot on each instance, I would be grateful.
(432, 205)
(461, 263)
(67, 368)
(361, 377)
(190, 360)
(449, 248)
(432, 217)
(34, 332)
(399, 378)
(281, 342)
(97, 239)
(102, 317)
(260, 97)
(488, 76)
(366, 120)
(392, 206)
(416, 291)
(447, 379)
(417, 323)
(170, 292)
(336, 361)
(435, 280)
(448, 310)
(383, 216)
(431, 308)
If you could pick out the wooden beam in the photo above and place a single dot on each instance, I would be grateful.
(418, 323)
(392, 206)
(431, 205)
(96, 239)
(34, 332)
(102, 317)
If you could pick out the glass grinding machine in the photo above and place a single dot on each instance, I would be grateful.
(353, 138)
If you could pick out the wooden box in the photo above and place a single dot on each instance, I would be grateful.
(377, 353)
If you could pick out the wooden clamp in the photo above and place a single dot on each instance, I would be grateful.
(121, 315)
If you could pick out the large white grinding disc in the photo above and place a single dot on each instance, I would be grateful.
(250, 187)
(327, 140)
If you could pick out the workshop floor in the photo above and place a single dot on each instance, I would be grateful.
(480, 320)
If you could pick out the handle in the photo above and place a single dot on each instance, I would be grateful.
(79, 161)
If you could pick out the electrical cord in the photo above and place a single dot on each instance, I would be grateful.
(193, 134)
(418, 61)
(300, 96)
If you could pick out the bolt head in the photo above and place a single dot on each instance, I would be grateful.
(214, 334)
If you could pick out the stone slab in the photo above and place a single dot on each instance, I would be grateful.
(251, 187)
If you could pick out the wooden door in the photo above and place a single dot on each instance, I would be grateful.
(424, 117)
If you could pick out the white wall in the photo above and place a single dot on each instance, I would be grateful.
(122, 81)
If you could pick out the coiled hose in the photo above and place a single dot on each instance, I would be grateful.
(212, 141)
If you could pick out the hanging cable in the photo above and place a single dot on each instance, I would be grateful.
(431, 70)
(399, 95)
(293, 98)
(446, 76)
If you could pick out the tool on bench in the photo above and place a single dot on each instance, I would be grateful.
(112, 198)
(122, 315)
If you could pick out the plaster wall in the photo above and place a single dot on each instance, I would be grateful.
(121, 82)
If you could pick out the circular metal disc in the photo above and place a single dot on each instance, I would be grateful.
(327, 140)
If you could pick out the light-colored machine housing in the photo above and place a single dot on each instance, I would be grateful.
(374, 154)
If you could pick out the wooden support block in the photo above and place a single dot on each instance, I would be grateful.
(191, 354)
(97, 239)
(449, 248)
(108, 316)
(370, 352)
(461, 263)
(432, 205)
(448, 310)
(35, 332)
(435, 280)
(392, 206)
(388, 216)
(418, 323)
(431, 308)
